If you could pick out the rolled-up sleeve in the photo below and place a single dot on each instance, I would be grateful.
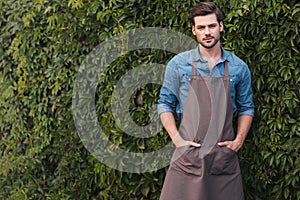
(167, 101)
(168, 94)
(244, 97)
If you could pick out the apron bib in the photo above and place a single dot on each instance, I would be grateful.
(208, 172)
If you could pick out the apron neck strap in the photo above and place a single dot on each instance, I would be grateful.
(194, 69)
(225, 68)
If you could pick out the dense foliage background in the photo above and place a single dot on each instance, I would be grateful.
(43, 43)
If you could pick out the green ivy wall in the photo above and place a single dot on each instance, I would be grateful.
(43, 43)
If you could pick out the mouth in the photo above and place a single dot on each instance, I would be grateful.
(208, 39)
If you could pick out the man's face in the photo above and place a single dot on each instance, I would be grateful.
(207, 30)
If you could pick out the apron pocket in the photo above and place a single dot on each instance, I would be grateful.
(188, 162)
(224, 161)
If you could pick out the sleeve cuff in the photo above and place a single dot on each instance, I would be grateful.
(161, 108)
(247, 112)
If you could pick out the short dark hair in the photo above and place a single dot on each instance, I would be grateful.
(205, 8)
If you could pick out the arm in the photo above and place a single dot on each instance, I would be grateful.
(168, 121)
(168, 99)
(246, 111)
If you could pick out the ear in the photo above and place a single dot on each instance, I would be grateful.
(193, 30)
(221, 26)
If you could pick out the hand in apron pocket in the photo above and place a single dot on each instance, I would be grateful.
(188, 160)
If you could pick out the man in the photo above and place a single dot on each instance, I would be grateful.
(205, 86)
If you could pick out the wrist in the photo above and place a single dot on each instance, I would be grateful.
(175, 137)
(239, 142)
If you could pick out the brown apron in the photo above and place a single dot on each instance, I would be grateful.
(208, 172)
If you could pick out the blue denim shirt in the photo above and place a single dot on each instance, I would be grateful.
(174, 91)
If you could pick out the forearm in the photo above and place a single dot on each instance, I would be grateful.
(168, 121)
(244, 125)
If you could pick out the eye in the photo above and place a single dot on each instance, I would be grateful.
(200, 28)
(213, 26)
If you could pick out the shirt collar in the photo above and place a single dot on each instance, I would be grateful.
(197, 57)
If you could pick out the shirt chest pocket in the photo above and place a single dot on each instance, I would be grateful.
(185, 82)
(233, 82)
(186, 78)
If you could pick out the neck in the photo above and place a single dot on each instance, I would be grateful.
(211, 55)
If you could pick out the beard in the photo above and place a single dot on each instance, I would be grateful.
(211, 44)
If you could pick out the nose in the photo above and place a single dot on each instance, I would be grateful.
(207, 31)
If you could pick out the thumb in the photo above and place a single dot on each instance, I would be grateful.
(225, 143)
(194, 144)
